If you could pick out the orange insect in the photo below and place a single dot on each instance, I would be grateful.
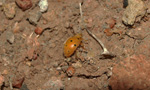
(71, 44)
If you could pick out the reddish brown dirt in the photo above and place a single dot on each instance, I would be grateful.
(40, 61)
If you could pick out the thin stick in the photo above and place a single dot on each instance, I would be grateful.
(31, 35)
(98, 40)
(81, 11)
(105, 51)
(81, 14)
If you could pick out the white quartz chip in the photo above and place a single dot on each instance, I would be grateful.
(43, 4)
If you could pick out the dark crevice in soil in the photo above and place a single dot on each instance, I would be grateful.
(89, 76)
(135, 37)
(109, 87)
(130, 36)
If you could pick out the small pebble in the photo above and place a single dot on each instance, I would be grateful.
(10, 10)
(69, 79)
(55, 64)
(34, 17)
(24, 4)
(5, 72)
(58, 68)
(43, 4)
(28, 63)
(67, 59)
(70, 71)
(77, 65)
(38, 30)
(10, 37)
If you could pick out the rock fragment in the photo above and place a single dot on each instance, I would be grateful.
(34, 17)
(70, 71)
(77, 64)
(131, 73)
(38, 30)
(9, 10)
(10, 37)
(43, 4)
(24, 4)
(134, 12)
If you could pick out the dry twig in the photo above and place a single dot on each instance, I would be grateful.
(105, 53)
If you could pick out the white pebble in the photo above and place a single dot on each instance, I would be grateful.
(43, 4)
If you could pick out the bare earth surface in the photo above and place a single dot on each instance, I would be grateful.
(32, 62)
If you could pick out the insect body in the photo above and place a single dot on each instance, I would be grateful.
(71, 45)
